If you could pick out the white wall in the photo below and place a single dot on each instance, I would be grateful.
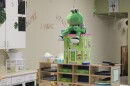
(40, 40)
(114, 35)
(3, 56)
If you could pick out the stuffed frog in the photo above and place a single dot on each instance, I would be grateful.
(75, 22)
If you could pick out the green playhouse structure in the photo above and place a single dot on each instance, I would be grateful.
(77, 53)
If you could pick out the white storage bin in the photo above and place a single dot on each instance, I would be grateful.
(15, 65)
(47, 57)
(15, 55)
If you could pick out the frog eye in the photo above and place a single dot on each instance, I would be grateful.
(72, 11)
(76, 10)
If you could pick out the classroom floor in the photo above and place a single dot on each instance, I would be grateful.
(124, 80)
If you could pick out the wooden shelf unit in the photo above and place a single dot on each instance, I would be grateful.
(90, 78)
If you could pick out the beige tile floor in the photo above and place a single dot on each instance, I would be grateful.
(124, 81)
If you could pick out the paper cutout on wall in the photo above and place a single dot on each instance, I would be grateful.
(31, 19)
(61, 20)
(47, 26)
(113, 5)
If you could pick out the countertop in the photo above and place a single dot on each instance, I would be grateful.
(6, 74)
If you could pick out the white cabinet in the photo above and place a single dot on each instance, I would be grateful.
(17, 79)
(30, 77)
(5, 81)
(11, 35)
(25, 78)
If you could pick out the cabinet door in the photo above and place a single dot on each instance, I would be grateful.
(2, 36)
(30, 83)
(14, 37)
(18, 85)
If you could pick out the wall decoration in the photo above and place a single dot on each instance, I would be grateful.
(73, 55)
(2, 15)
(61, 20)
(85, 55)
(113, 5)
(2, 3)
(79, 55)
(66, 53)
(16, 25)
(31, 19)
(85, 43)
(47, 26)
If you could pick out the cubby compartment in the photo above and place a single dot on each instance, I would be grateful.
(48, 76)
(65, 77)
(81, 69)
(100, 75)
(65, 68)
(100, 80)
(100, 70)
(81, 79)
(48, 72)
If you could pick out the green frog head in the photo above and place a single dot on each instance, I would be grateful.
(74, 18)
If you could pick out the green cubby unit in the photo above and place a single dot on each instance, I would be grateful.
(84, 78)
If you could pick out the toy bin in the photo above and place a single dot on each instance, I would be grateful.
(65, 78)
(15, 55)
(59, 60)
(65, 68)
(82, 69)
(84, 79)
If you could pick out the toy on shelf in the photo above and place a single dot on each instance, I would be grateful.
(78, 53)
(76, 26)
(15, 55)
(49, 58)
(15, 65)
(60, 58)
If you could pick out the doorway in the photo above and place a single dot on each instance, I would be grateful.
(124, 64)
